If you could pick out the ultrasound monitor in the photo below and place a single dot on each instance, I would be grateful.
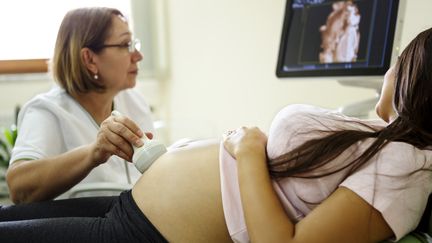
(328, 38)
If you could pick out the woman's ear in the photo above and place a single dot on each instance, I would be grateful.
(88, 57)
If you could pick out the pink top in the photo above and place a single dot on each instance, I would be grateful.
(383, 182)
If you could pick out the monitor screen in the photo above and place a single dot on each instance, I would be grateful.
(322, 38)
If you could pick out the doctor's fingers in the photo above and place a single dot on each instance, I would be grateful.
(123, 127)
(114, 144)
(128, 123)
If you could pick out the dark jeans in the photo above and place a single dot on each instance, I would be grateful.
(91, 219)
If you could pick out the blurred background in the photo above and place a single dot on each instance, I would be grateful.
(209, 66)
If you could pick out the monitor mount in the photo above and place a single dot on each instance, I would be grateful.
(362, 108)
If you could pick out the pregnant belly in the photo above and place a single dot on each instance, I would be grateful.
(180, 194)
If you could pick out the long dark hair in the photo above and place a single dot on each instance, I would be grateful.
(412, 102)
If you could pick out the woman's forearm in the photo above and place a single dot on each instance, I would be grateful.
(43, 179)
(265, 217)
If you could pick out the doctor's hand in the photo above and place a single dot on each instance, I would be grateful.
(116, 136)
(245, 140)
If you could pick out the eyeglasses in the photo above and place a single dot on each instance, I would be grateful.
(132, 46)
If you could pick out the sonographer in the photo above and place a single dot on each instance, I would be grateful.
(67, 136)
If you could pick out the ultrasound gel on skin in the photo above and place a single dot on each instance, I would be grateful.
(145, 155)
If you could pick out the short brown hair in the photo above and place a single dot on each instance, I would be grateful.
(82, 27)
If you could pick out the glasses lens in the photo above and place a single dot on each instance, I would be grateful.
(135, 46)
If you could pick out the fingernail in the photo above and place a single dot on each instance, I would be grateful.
(139, 143)
(140, 133)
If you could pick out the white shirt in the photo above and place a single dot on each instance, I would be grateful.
(53, 123)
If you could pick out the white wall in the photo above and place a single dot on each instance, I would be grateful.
(222, 57)
(223, 60)
(15, 90)
(417, 18)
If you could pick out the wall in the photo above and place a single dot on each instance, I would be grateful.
(223, 59)
(16, 89)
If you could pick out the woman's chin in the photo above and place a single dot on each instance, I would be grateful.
(131, 83)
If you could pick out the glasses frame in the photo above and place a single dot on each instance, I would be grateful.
(132, 46)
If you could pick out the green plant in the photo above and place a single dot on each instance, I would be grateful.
(7, 141)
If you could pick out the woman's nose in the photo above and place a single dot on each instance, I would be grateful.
(137, 56)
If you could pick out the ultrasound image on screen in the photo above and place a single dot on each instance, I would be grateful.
(337, 35)
(340, 36)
